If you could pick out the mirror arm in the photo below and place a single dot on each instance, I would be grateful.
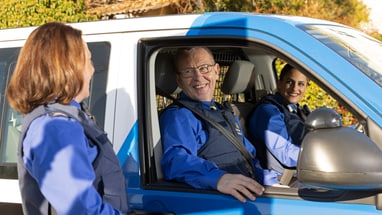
(378, 201)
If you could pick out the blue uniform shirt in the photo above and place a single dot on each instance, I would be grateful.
(57, 154)
(182, 136)
(267, 125)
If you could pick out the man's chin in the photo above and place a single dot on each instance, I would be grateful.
(202, 98)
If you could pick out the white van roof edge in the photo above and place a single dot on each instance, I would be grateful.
(111, 26)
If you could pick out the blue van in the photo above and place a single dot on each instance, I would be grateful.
(341, 167)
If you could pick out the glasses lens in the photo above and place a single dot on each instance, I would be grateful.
(189, 72)
(204, 69)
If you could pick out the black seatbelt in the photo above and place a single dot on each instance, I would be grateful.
(234, 140)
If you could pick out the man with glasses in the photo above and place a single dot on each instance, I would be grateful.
(194, 151)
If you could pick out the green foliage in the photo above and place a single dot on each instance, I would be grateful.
(376, 35)
(228, 5)
(348, 12)
(15, 13)
(316, 97)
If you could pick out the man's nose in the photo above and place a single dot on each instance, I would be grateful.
(197, 73)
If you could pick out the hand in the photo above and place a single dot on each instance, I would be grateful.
(239, 186)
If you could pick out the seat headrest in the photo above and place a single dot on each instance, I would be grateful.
(165, 74)
(238, 78)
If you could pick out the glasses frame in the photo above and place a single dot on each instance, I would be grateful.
(190, 72)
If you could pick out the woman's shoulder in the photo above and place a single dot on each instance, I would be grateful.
(60, 130)
(55, 122)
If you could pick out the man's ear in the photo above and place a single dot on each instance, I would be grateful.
(217, 68)
(178, 82)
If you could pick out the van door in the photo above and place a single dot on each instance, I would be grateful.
(173, 197)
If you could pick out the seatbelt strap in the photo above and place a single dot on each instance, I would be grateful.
(287, 176)
(239, 145)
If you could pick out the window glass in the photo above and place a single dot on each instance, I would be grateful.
(316, 97)
(353, 46)
(97, 100)
(11, 119)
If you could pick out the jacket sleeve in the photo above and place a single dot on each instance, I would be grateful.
(267, 125)
(182, 135)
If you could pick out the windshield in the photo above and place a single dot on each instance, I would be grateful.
(361, 50)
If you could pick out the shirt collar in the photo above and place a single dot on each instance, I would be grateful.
(204, 104)
(293, 108)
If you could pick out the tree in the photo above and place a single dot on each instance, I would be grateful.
(348, 12)
(15, 13)
(228, 5)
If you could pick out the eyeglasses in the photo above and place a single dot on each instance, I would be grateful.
(189, 72)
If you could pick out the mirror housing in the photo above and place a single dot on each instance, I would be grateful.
(323, 118)
(336, 157)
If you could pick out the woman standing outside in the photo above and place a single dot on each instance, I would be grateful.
(62, 167)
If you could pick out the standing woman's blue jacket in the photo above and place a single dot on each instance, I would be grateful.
(56, 151)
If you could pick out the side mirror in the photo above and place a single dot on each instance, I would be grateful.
(323, 118)
(336, 157)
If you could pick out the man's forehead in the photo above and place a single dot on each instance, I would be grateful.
(201, 57)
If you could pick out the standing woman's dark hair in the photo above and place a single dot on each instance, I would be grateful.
(66, 163)
(49, 68)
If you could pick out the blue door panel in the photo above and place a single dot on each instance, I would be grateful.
(195, 203)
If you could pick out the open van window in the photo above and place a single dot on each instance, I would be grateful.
(263, 57)
(264, 81)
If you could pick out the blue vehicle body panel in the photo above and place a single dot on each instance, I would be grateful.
(194, 203)
(283, 34)
(128, 157)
